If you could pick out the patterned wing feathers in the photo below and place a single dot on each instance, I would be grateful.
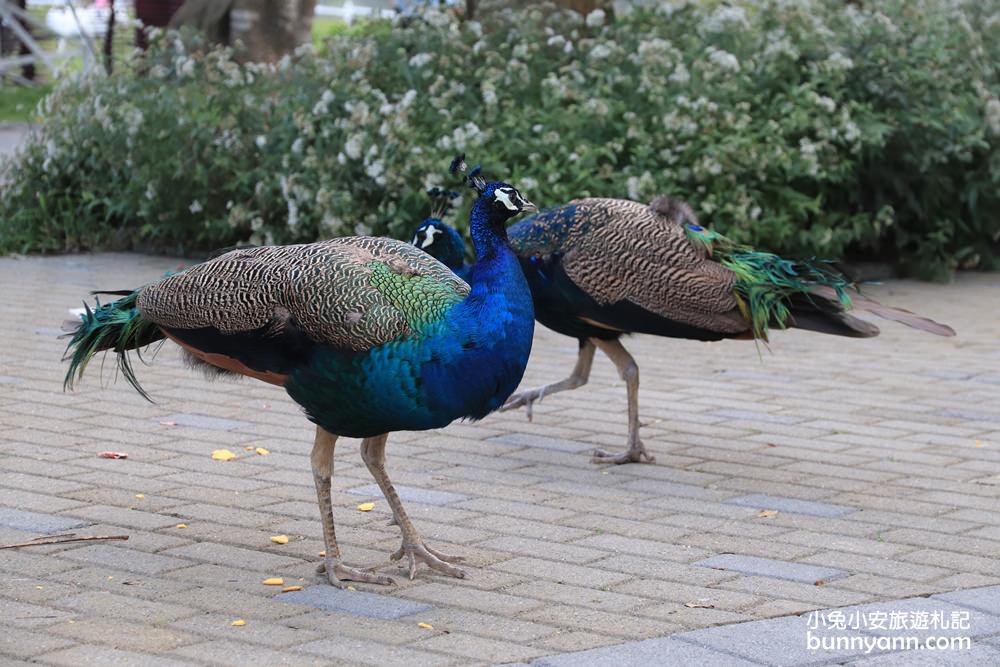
(352, 293)
(623, 250)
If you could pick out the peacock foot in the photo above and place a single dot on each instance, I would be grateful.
(341, 574)
(421, 553)
(525, 399)
(636, 453)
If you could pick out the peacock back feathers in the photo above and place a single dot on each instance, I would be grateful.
(352, 293)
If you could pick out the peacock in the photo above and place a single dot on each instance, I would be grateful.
(368, 335)
(449, 247)
(602, 268)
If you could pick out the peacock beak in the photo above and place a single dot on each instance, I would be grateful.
(528, 207)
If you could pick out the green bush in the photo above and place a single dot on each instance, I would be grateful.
(812, 128)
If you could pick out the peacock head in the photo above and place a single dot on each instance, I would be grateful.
(497, 201)
(436, 238)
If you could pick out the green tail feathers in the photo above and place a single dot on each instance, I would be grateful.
(766, 282)
(117, 326)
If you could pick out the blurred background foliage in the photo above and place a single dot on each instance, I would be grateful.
(814, 128)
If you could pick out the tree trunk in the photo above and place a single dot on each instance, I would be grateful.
(109, 41)
(268, 29)
(583, 6)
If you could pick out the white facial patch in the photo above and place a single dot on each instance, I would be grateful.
(503, 195)
(430, 231)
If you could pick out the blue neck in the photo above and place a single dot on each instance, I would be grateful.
(489, 236)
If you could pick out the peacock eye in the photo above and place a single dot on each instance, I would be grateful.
(507, 198)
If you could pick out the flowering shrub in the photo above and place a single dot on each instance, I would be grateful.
(813, 128)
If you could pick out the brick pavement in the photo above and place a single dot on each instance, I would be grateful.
(880, 457)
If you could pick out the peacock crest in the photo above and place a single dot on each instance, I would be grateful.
(442, 201)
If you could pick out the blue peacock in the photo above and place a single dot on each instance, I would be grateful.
(368, 335)
(449, 247)
(602, 268)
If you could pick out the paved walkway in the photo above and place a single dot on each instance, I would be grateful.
(825, 473)
(11, 136)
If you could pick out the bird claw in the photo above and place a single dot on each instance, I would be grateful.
(525, 398)
(636, 453)
(340, 574)
(435, 560)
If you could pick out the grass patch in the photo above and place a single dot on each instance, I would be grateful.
(18, 103)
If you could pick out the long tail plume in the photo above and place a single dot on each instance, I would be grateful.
(912, 320)
(117, 326)
(809, 294)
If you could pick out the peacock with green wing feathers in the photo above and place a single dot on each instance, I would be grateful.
(368, 335)
(602, 268)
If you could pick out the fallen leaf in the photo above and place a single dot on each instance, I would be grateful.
(223, 455)
(181, 525)
(248, 449)
(351, 588)
(425, 626)
(238, 623)
(140, 496)
(366, 507)
(698, 605)
(979, 444)
(168, 423)
(322, 554)
(279, 539)
(274, 581)
(291, 589)
(767, 514)
(819, 582)
(112, 455)
(261, 451)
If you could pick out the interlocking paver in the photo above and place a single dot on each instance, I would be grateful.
(976, 655)
(872, 465)
(99, 656)
(773, 642)
(25, 615)
(36, 522)
(412, 494)
(985, 599)
(683, 593)
(537, 568)
(355, 652)
(768, 567)
(526, 440)
(120, 634)
(205, 422)
(356, 603)
(247, 558)
(126, 559)
(239, 654)
(479, 648)
(124, 607)
(23, 643)
(551, 591)
(255, 631)
(795, 505)
(667, 651)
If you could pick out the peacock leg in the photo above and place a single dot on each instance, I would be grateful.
(322, 465)
(629, 371)
(373, 453)
(578, 378)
